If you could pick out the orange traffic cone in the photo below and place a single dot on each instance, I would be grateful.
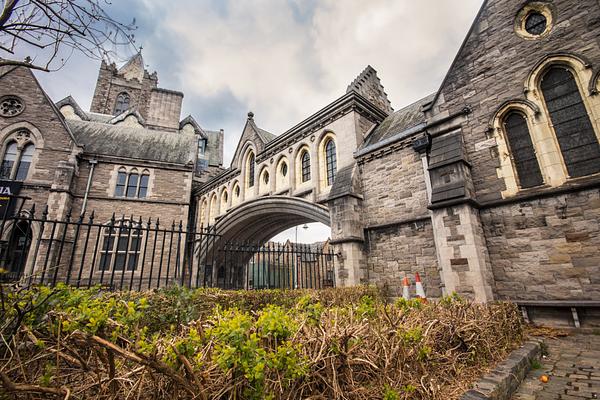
(419, 287)
(405, 288)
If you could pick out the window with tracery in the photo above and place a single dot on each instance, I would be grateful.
(122, 103)
(16, 161)
(574, 131)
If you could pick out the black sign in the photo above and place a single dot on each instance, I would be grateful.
(9, 190)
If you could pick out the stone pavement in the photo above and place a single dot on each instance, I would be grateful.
(573, 365)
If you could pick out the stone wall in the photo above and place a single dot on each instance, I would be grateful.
(493, 66)
(393, 186)
(546, 248)
(403, 250)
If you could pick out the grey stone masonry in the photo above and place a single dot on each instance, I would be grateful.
(572, 365)
(502, 382)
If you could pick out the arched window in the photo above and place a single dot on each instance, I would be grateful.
(122, 103)
(143, 189)
(574, 131)
(224, 199)
(16, 163)
(284, 169)
(132, 184)
(251, 162)
(305, 164)
(331, 160)
(266, 178)
(8, 161)
(522, 150)
(121, 244)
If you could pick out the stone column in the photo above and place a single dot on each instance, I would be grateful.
(347, 234)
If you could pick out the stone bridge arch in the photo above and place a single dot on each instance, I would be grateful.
(254, 222)
(260, 219)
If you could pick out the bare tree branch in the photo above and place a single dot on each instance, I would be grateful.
(44, 30)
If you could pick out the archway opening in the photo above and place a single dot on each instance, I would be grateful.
(264, 244)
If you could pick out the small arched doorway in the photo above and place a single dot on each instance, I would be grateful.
(14, 255)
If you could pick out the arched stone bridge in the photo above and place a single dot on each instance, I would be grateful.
(304, 175)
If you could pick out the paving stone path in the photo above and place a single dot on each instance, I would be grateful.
(573, 366)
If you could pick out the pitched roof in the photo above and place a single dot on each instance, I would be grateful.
(134, 68)
(134, 142)
(264, 135)
(402, 120)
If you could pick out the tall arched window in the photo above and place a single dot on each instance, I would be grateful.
(331, 159)
(16, 162)
(522, 150)
(122, 103)
(121, 244)
(8, 161)
(574, 131)
(251, 162)
(25, 162)
(305, 163)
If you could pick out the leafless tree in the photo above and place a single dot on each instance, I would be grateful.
(43, 34)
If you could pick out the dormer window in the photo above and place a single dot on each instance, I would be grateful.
(122, 103)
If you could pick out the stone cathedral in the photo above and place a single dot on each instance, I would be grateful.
(489, 187)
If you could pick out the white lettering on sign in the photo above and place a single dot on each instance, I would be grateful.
(5, 190)
(485, 144)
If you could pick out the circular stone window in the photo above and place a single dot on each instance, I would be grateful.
(11, 106)
(534, 20)
(535, 23)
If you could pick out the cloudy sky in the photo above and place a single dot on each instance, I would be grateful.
(282, 59)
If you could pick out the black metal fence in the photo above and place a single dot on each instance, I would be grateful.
(128, 253)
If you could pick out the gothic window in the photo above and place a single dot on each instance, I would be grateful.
(284, 169)
(305, 164)
(143, 190)
(251, 161)
(132, 184)
(266, 178)
(237, 191)
(8, 161)
(122, 103)
(331, 158)
(16, 162)
(574, 131)
(25, 162)
(121, 244)
(522, 150)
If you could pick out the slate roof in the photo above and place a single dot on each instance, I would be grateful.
(264, 135)
(134, 142)
(214, 147)
(399, 121)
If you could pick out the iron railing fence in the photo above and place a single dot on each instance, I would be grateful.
(127, 253)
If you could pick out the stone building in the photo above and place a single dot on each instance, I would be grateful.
(489, 187)
(131, 156)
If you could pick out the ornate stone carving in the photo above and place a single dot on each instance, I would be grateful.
(11, 106)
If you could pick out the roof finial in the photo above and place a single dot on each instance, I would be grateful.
(250, 115)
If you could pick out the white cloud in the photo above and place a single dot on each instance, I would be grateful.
(285, 60)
